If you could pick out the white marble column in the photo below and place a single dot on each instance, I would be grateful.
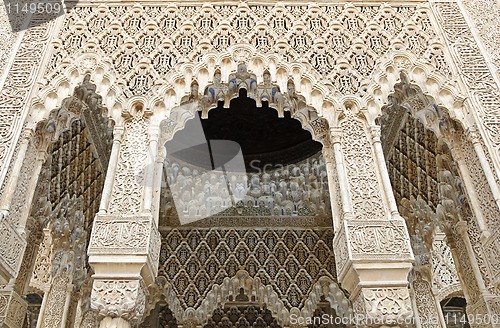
(372, 248)
(125, 242)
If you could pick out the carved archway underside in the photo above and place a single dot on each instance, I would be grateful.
(253, 290)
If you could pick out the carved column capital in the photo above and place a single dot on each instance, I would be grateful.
(41, 156)
(115, 298)
(154, 133)
(118, 134)
(473, 134)
(375, 131)
(336, 135)
(27, 134)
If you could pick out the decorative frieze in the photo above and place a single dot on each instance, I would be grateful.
(378, 240)
(476, 74)
(123, 235)
(19, 81)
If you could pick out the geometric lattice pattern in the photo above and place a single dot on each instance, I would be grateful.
(242, 316)
(290, 260)
(74, 170)
(170, 34)
(412, 163)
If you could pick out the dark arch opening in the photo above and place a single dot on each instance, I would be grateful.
(265, 139)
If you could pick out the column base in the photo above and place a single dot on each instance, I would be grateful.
(109, 322)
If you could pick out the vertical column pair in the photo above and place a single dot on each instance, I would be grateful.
(372, 246)
(125, 242)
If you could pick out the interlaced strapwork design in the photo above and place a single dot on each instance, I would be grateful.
(342, 43)
(290, 260)
(412, 163)
(76, 171)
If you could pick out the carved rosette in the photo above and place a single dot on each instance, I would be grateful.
(384, 307)
(119, 299)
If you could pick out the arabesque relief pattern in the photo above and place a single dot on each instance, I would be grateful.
(290, 260)
(480, 83)
(160, 50)
(14, 95)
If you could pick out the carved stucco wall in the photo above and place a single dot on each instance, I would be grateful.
(125, 35)
(82, 32)
(486, 22)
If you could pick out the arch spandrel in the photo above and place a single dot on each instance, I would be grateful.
(402, 66)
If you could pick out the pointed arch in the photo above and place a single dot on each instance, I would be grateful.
(401, 66)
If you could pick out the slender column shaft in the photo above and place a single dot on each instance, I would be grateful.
(344, 185)
(40, 159)
(386, 181)
(150, 169)
(42, 308)
(328, 156)
(67, 304)
(110, 175)
(158, 175)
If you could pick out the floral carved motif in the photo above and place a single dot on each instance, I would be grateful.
(444, 274)
(126, 196)
(492, 254)
(12, 309)
(360, 166)
(12, 247)
(386, 304)
(56, 299)
(42, 268)
(426, 304)
(118, 298)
